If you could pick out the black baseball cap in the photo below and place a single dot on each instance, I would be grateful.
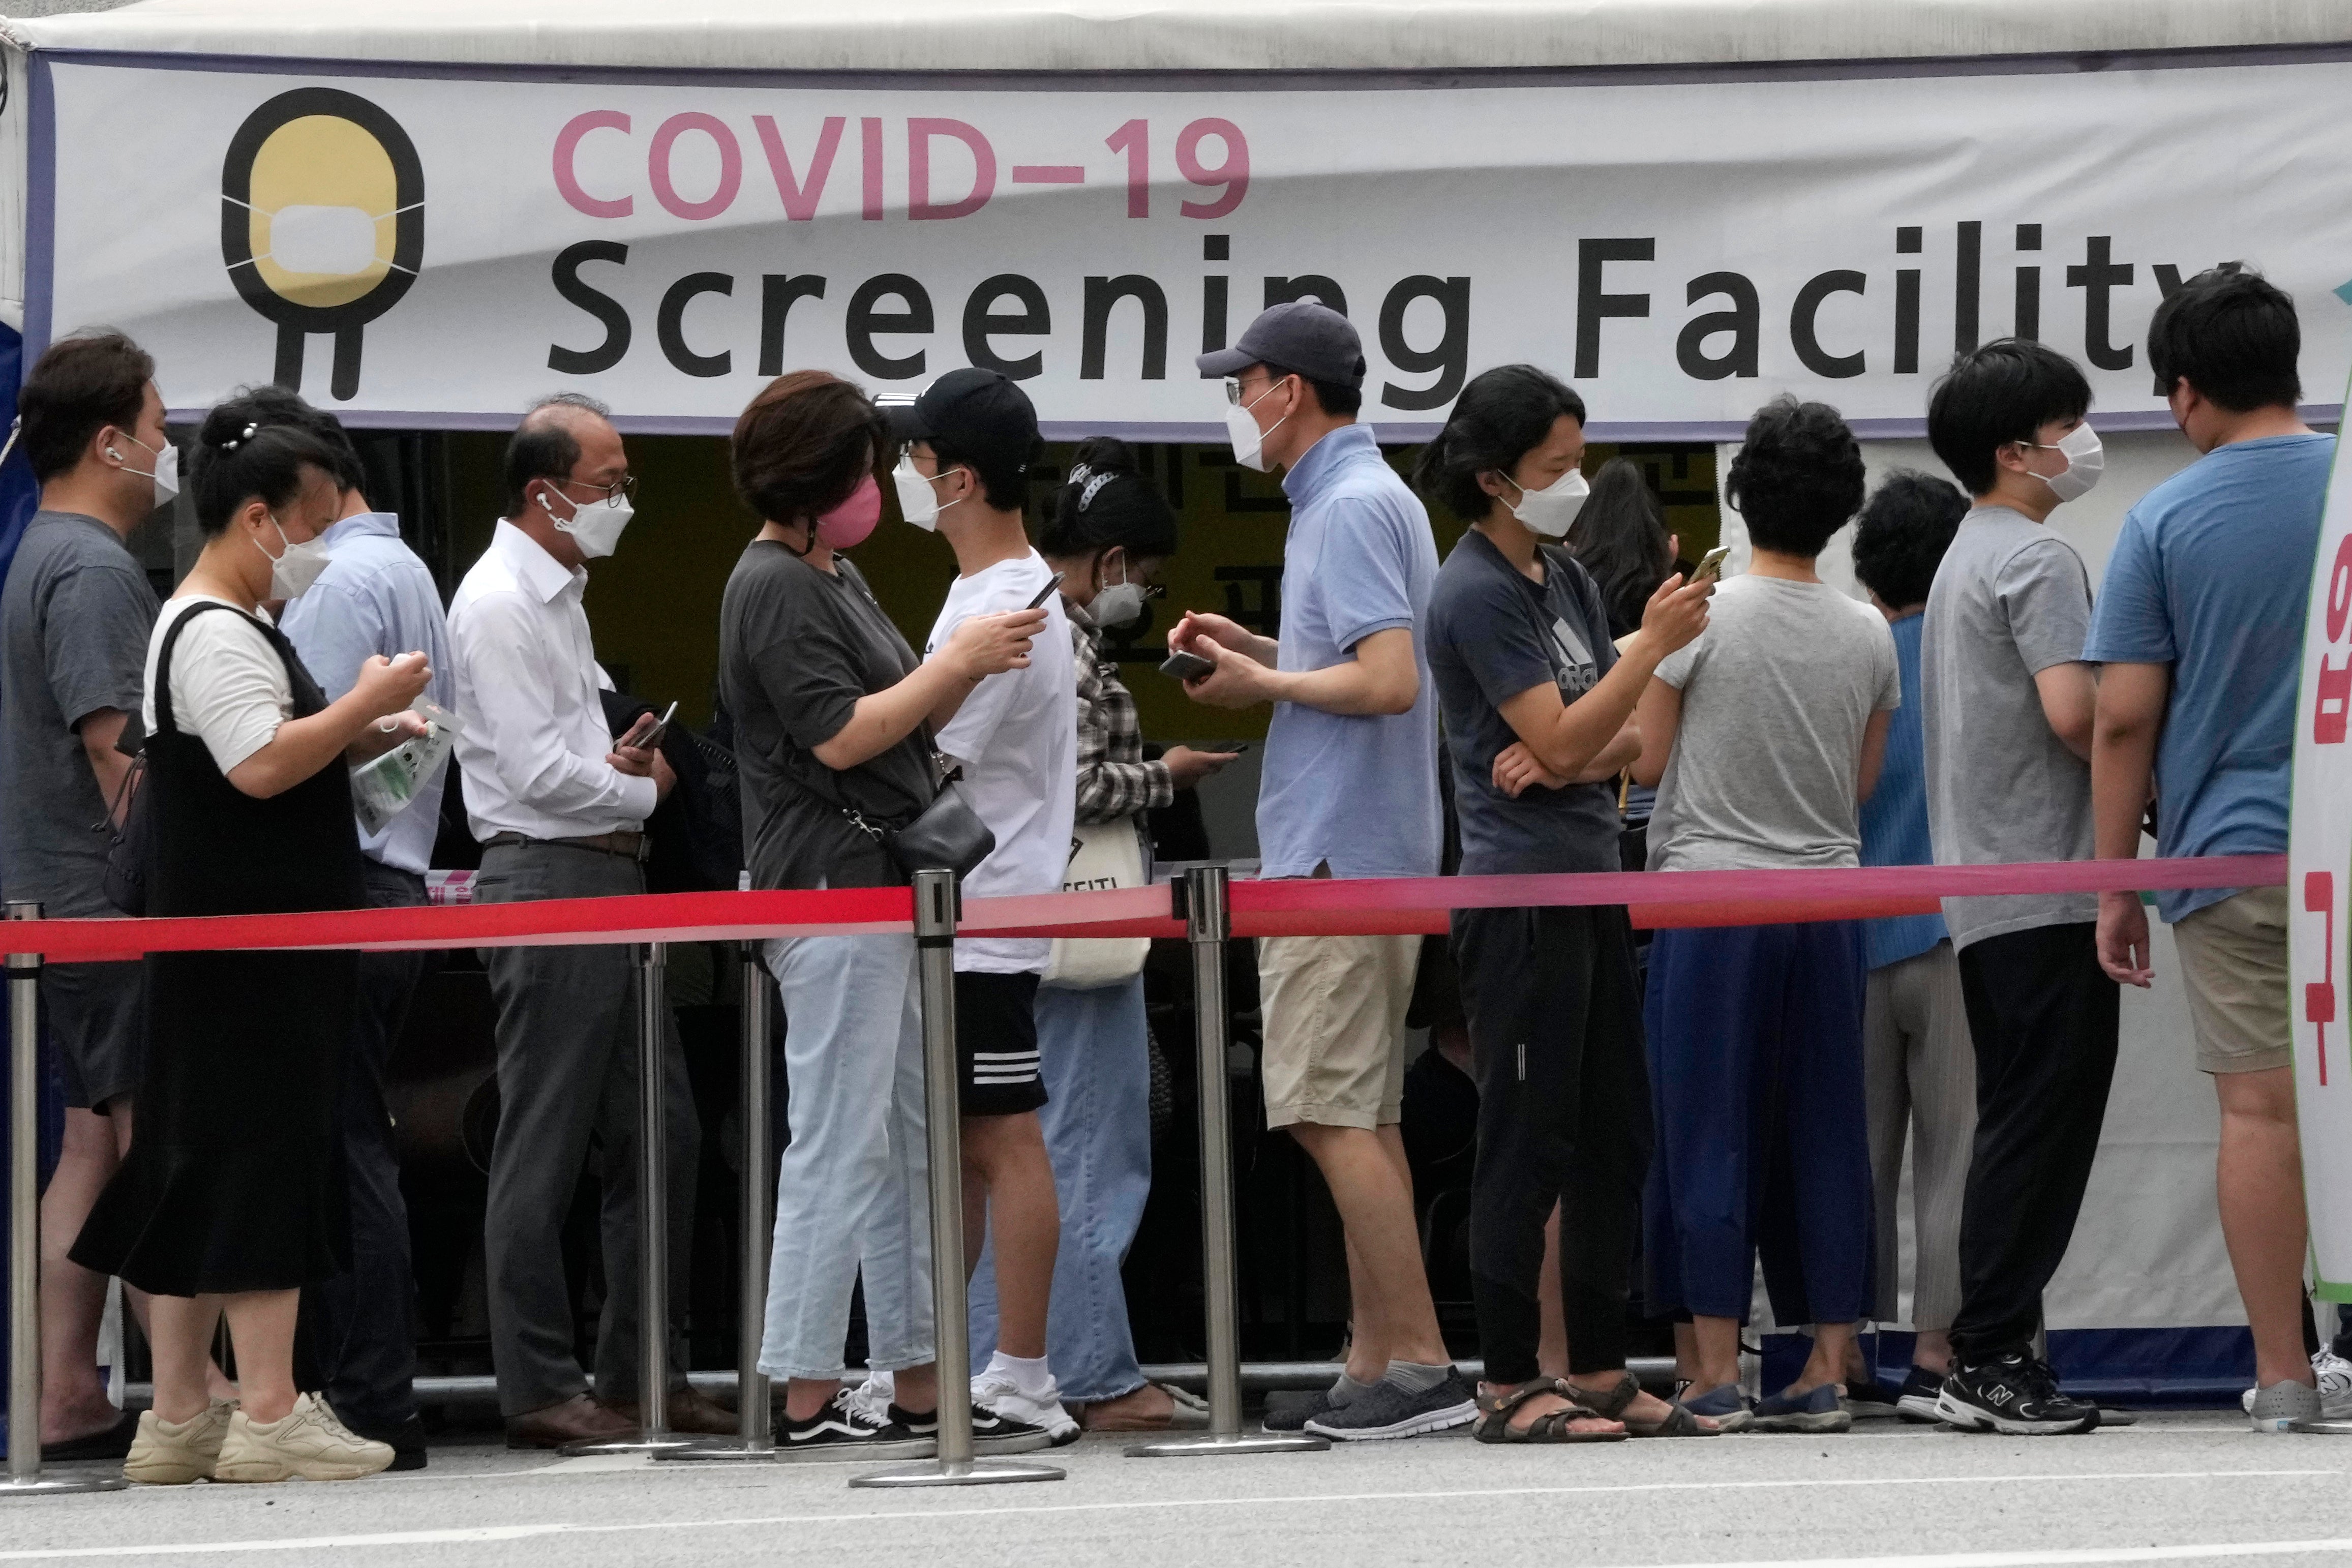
(972, 410)
(1313, 339)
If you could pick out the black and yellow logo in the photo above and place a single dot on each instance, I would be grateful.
(322, 222)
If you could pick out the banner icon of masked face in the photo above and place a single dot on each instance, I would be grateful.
(322, 222)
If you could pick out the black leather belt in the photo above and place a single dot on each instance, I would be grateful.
(635, 847)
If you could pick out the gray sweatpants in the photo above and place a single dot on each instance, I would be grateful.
(1920, 1072)
(567, 1038)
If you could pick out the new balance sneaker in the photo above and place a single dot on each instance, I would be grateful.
(1392, 1410)
(308, 1443)
(1916, 1400)
(174, 1453)
(2016, 1394)
(996, 1393)
(993, 1432)
(1819, 1410)
(1294, 1417)
(845, 1429)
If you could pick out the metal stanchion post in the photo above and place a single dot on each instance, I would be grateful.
(755, 1437)
(25, 1477)
(934, 924)
(653, 1435)
(1209, 923)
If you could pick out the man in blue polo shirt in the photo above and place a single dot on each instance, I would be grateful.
(1350, 789)
(2200, 631)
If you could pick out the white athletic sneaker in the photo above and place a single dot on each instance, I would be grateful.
(309, 1442)
(174, 1453)
(997, 1392)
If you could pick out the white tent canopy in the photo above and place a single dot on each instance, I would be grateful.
(1177, 35)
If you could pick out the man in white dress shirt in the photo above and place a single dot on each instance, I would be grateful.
(560, 812)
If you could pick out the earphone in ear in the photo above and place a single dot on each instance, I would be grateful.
(113, 454)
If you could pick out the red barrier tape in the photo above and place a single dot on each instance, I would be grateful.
(1284, 907)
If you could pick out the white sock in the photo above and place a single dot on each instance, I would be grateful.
(1031, 1376)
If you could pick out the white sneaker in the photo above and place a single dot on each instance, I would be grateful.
(174, 1453)
(996, 1391)
(307, 1444)
(874, 1395)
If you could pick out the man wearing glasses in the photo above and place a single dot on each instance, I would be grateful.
(560, 810)
(1349, 790)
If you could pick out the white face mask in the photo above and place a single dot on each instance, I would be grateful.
(1249, 442)
(291, 574)
(1117, 603)
(917, 499)
(2086, 461)
(166, 474)
(595, 527)
(1551, 511)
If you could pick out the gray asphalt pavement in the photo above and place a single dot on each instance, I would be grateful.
(2174, 1487)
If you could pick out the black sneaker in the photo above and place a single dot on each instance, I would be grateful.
(992, 1433)
(2015, 1395)
(1392, 1410)
(404, 1438)
(1294, 1417)
(842, 1430)
(1916, 1400)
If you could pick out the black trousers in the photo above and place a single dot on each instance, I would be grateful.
(1555, 1016)
(2043, 1017)
(359, 1328)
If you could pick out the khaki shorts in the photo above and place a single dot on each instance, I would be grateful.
(1334, 1010)
(2234, 962)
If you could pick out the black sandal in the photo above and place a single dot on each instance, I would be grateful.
(1493, 1422)
(1678, 1422)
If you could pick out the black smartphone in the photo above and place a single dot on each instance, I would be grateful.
(1186, 666)
(1044, 593)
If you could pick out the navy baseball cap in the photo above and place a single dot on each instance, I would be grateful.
(1313, 340)
(972, 409)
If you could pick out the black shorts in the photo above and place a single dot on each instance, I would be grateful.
(99, 1027)
(996, 1043)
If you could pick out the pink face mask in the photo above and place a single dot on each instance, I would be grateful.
(847, 525)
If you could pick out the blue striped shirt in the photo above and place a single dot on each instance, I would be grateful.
(1895, 817)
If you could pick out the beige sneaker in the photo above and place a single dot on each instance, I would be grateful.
(307, 1444)
(174, 1453)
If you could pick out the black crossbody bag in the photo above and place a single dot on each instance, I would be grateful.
(947, 835)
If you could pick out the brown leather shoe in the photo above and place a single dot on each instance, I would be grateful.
(578, 1419)
(692, 1412)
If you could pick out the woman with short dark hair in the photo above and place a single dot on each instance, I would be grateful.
(1538, 704)
(232, 1197)
(833, 717)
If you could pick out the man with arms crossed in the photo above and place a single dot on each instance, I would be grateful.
(2200, 632)
(1349, 790)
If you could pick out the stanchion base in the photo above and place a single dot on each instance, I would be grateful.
(742, 1451)
(2323, 1428)
(1241, 1443)
(667, 1443)
(983, 1472)
(59, 1486)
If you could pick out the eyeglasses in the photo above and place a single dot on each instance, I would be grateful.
(620, 490)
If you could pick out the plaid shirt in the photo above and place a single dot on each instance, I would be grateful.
(1114, 780)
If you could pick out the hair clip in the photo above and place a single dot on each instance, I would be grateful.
(1094, 486)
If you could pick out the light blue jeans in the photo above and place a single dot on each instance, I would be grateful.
(1098, 1127)
(851, 1196)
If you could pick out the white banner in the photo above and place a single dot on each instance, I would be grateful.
(2319, 896)
(437, 249)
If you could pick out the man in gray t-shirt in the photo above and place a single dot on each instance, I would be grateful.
(74, 620)
(2008, 704)
(2011, 601)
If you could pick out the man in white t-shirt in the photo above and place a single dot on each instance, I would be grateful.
(964, 471)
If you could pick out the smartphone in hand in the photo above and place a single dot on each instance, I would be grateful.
(1044, 593)
(647, 732)
(1710, 566)
(1186, 666)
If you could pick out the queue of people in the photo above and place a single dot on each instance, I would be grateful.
(1651, 1122)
